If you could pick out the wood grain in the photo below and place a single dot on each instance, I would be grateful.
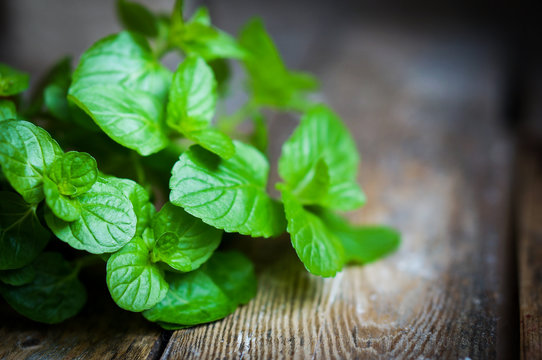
(423, 106)
(530, 252)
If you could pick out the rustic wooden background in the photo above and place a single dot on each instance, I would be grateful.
(424, 99)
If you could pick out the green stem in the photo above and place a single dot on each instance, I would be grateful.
(138, 167)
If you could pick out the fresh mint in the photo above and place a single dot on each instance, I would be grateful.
(149, 172)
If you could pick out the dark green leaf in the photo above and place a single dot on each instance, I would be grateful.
(18, 277)
(227, 194)
(362, 244)
(183, 241)
(135, 283)
(136, 17)
(207, 294)
(222, 73)
(53, 296)
(7, 110)
(12, 82)
(271, 83)
(22, 237)
(321, 136)
(316, 245)
(25, 152)
(106, 224)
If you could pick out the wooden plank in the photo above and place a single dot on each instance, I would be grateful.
(530, 252)
(101, 331)
(423, 107)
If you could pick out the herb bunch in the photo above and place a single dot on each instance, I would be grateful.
(151, 130)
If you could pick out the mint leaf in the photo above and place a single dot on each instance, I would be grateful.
(122, 87)
(54, 295)
(260, 135)
(191, 106)
(136, 17)
(210, 293)
(62, 206)
(12, 82)
(106, 224)
(362, 244)
(183, 241)
(321, 136)
(316, 245)
(74, 173)
(209, 42)
(140, 199)
(22, 237)
(201, 16)
(18, 277)
(25, 152)
(227, 194)
(7, 110)
(130, 117)
(134, 282)
(271, 83)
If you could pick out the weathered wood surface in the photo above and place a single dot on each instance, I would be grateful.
(530, 252)
(424, 109)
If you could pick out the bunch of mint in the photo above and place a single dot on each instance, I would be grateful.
(150, 131)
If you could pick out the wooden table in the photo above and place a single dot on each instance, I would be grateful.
(424, 105)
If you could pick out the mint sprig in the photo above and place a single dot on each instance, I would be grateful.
(149, 172)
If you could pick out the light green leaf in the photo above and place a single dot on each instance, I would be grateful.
(213, 140)
(362, 244)
(53, 296)
(25, 152)
(192, 96)
(140, 199)
(316, 245)
(209, 42)
(227, 194)
(7, 110)
(62, 206)
(18, 277)
(210, 293)
(136, 17)
(22, 237)
(106, 224)
(314, 187)
(260, 134)
(271, 83)
(201, 16)
(134, 282)
(321, 136)
(130, 117)
(122, 86)
(74, 173)
(12, 82)
(183, 241)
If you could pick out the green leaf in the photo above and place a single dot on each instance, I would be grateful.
(227, 194)
(316, 245)
(25, 152)
(260, 134)
(135, 283)
(136, 17)
(222, 73)
(22, 237)
(209, 42)
(201, 16)
(7, 110)
(210, 293)
(362, 244)
(140, 199)
(192, 96)
(213, 140)
(74, 173)
(132, 118)
(314, 187)
(12, 82)
(122, 86)
(55, 89)
(271, 83)
(321, 136)
(183, 241)
(62, 206)
(106, 224)
(53, 296)
(18, 277)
